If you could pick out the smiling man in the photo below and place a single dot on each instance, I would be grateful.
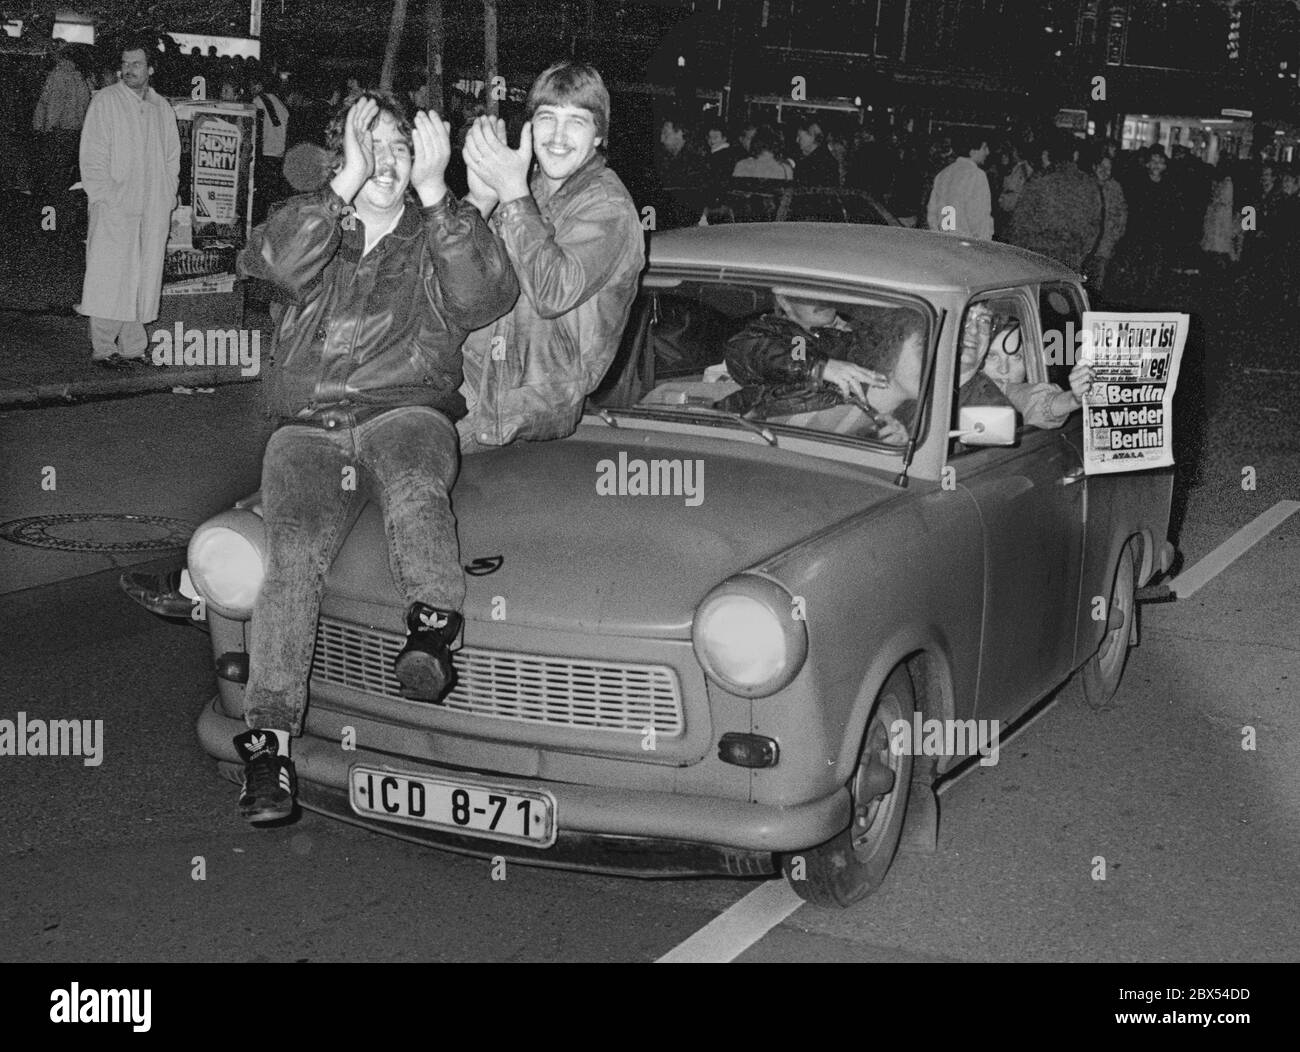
(577, 248)
(380, 293)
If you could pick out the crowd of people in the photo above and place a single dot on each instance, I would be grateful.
(1131, 220)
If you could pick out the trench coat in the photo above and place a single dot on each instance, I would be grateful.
(130, 165)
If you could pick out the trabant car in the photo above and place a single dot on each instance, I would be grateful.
(693, 633)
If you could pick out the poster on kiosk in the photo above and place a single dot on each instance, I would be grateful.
(216, 189)
(212, 222)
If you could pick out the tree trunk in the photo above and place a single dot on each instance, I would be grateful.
(433, 52)
(395, 28)
(490, 54)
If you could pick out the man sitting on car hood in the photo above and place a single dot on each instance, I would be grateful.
(365, 382)
(577, 247)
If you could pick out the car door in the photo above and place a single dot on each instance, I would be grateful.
(1031, 500)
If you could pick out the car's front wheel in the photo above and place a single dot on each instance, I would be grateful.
(853, 864)
(1102, 673)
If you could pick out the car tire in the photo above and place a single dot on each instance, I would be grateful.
(1102, 673)
(853, 864)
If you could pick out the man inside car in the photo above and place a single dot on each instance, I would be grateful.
(994, 372)
(808, 345)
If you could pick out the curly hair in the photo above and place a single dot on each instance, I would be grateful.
(388, 103)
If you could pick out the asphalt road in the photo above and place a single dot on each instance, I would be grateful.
(1200, 837)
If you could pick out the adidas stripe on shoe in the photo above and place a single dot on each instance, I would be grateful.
(270, 783)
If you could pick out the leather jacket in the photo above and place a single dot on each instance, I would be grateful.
(380, 329)
(763, 352)
(578, 256)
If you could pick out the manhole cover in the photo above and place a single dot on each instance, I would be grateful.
(93, 532)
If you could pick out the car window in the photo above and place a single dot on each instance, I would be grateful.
(1062, 328)
(998, 356)
(778, 355)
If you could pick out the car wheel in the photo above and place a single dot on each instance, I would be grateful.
(853, 864)
(1103, 671)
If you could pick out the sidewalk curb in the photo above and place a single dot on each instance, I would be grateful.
(149, 380)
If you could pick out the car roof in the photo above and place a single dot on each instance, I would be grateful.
(897, 257)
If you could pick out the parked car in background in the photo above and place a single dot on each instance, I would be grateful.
(691, 634)
(778, 201)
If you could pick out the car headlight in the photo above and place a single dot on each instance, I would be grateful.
(227, 561)
(748, 638)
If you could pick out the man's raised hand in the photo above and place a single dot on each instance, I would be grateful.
(502, 170)
(432, 141)
(1081, 380)
(481, 195)
(358, 150)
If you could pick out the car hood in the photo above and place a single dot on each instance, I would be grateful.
(574, 559)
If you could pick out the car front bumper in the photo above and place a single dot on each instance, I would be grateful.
(601, 829)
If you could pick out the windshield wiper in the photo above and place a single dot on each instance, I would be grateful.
(714, 411)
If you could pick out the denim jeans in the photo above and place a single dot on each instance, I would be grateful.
(406, 459)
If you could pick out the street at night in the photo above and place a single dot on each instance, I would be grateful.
(619, 452)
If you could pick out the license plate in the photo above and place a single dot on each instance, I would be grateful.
(473, 809)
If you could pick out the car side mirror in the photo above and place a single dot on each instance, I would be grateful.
(986, 425)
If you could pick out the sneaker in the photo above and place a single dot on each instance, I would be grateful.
(158, 593)
(269, 780)
(424, 668)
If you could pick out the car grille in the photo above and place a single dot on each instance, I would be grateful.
(552, 691)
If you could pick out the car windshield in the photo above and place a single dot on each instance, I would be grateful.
(776, 355)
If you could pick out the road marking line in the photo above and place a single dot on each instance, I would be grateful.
(1196, 577)
(738, 927)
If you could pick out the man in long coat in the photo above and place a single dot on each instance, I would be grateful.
(130, 164)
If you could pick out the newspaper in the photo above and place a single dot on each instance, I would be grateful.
(1127, 412)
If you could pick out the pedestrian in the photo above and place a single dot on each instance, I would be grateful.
(1114, 221)
(1220, 231)
(366, 377)
(269, 176)
(683, 175)
(959, 200)
(57, 122)
(764, 160)
(722, 157)
(1191, 180)
(1144, 257)
(1259, 240)
(815, 166)
(575, 239)
(745, 135)
(1059, 211)
(1017, 172)
(130, 165)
